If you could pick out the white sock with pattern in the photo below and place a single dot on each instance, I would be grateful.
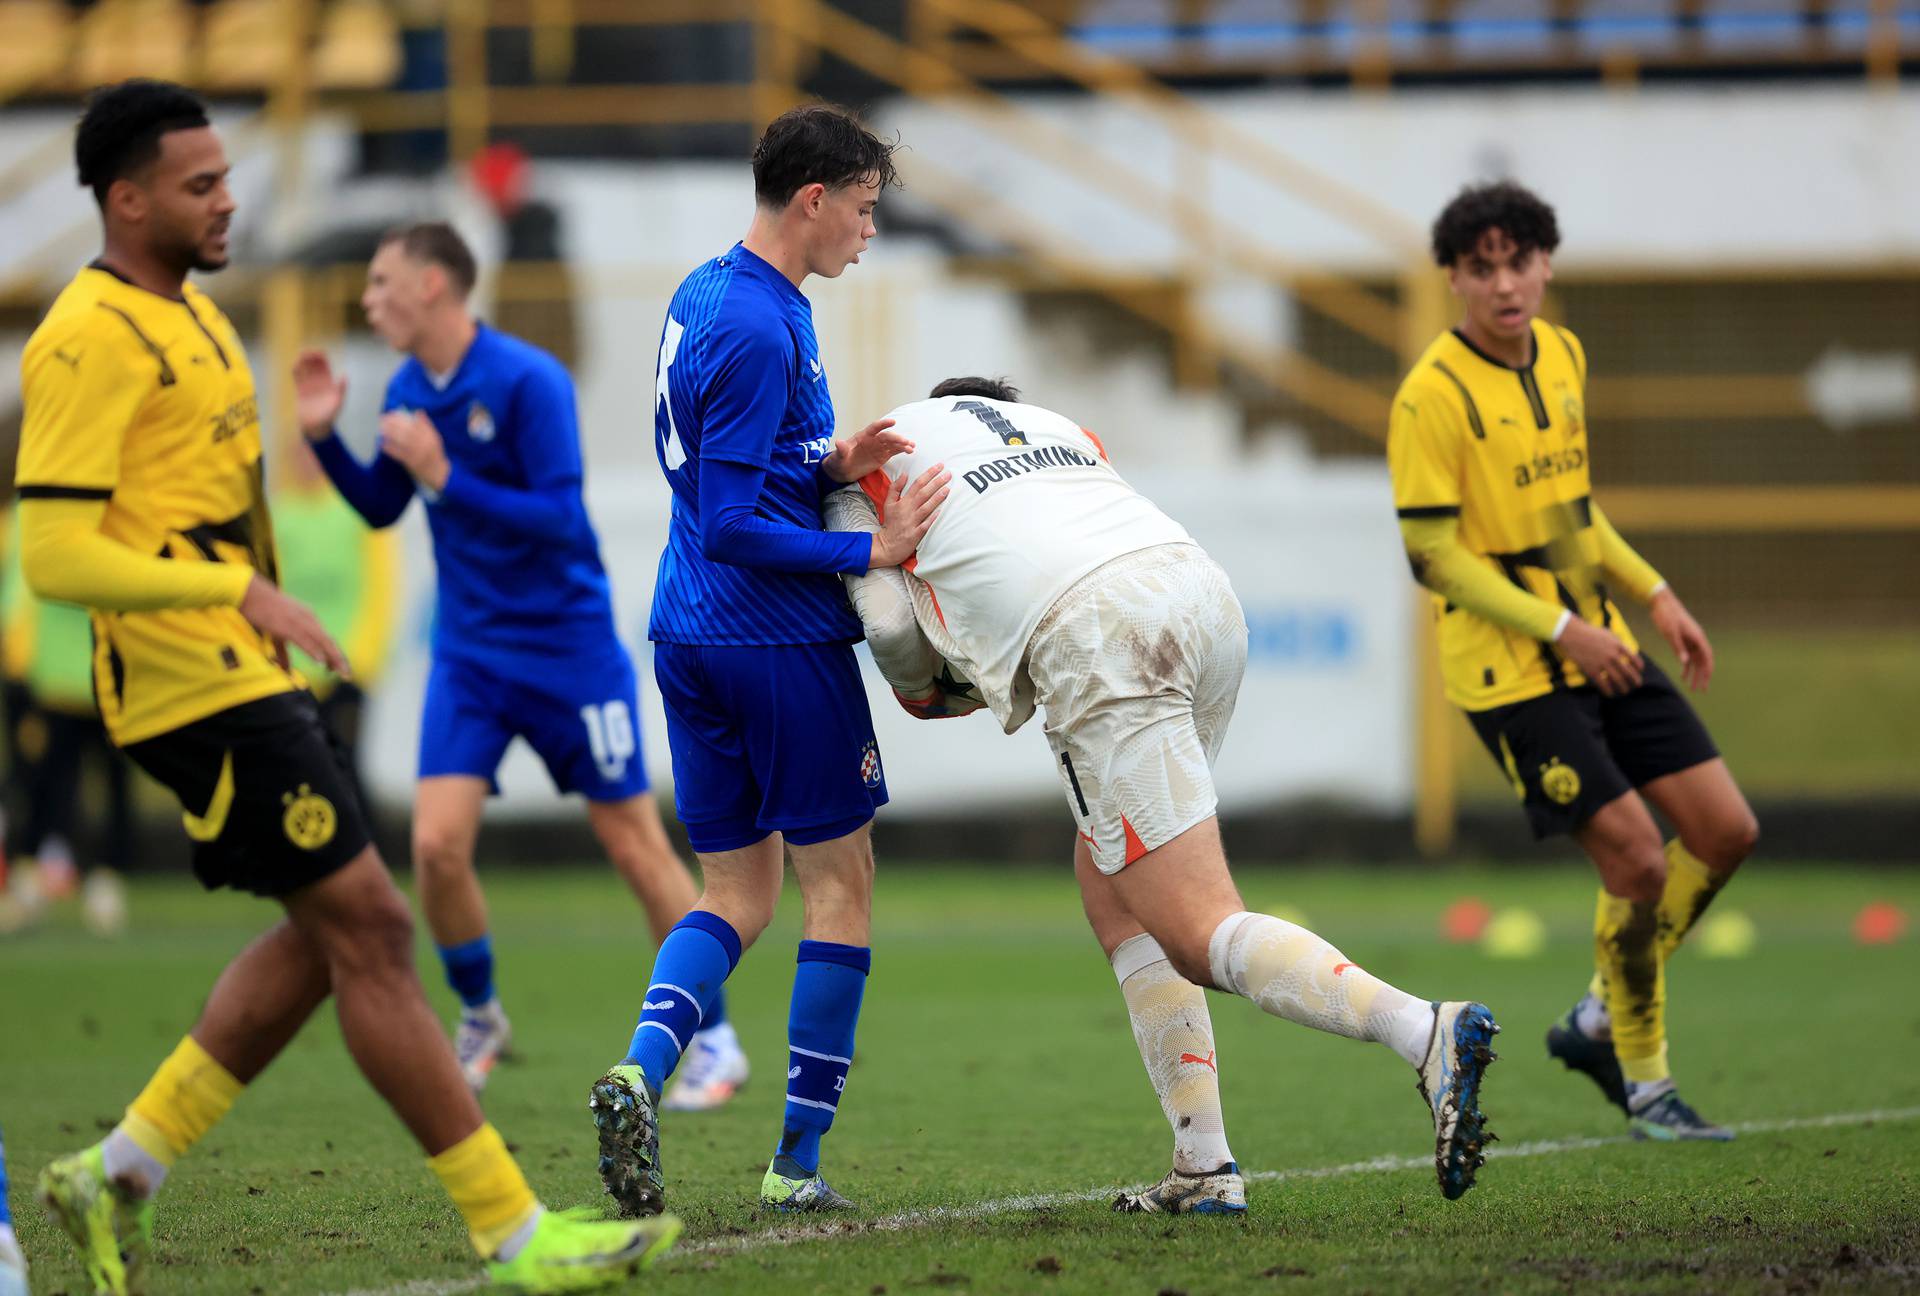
(1292, 973)
(1175, 1035)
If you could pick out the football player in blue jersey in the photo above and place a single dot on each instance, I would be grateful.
(483, 427)
(773, 747)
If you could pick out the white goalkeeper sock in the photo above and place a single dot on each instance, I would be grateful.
(1175, 1035)
(1292, 973)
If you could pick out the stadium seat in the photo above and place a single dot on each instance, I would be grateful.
(248, 45)
(129, 38)
(1640, 27)
(1736, 27)
(1503, 30)
(359, 47)
(35, 39)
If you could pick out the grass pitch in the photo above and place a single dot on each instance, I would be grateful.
(997, 1101)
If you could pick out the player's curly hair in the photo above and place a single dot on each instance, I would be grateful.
(992, 388)
(1511, 208)
(121, 128)
(817, 144)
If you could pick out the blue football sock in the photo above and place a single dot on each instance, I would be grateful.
(697, 956)
(470, 970)
(827, 988)
(6, 1215)
(716, 1011)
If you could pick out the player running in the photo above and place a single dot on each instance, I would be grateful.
(772, 742)
(1049, 583)
(483, 426)
(140, 488)
(1488, 448)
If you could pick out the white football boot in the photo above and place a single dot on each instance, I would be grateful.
(713, 1070)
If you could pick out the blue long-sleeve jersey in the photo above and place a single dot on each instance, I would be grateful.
(520, 577)
(742, 422)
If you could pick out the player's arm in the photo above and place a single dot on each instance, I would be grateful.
(1424, 450)
(745, 401)
(1626, 568)
(75, 421)
(546, 431)
(1622, 563)
(884, 605)
(378, 491)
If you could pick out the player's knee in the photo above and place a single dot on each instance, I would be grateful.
(1730, 842)
(1639, 873)
(440, 849)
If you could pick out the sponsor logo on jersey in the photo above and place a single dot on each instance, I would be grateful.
(479, 422)
(813, 365)
(1027, 461)
(235, 419)
(1548, 465)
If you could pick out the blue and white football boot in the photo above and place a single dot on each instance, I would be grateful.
(1457, 1060)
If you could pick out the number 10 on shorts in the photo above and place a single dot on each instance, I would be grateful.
(610, 737)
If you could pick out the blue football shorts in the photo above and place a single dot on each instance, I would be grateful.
(581, 717)
(768, 739)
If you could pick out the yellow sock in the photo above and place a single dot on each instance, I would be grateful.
(487, 1188)
(1691, 887)
(186, 1097)
(1627, 950)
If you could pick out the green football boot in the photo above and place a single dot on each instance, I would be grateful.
(112, 1229)
(799, 1193)
(569, 1254)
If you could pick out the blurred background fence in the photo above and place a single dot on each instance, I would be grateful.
(1197, 225)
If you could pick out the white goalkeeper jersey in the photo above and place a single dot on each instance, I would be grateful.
(1034, 506)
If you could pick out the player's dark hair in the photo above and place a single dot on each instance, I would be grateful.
(437, 243)
(817, 144)
(992, 388)
(1513, 209)
(121, 127)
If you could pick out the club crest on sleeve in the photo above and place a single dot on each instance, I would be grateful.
(870, 764)
(479, 422)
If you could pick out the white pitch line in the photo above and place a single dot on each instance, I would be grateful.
(932, 1215)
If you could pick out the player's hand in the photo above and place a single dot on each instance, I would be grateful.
(1684, 635)
(909, 513)
(411, 438)
(1601, 656)
(273, 611)
(854, 457)
(317, 394)
(937, 704)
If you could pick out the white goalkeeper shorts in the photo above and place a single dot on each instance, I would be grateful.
(1137, 666)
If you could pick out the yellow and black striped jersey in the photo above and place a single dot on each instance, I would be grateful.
(1504, 450)
(147, 403)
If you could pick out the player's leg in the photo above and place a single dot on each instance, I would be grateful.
(585, 727)
(1174, 1032)
(810, 740)
(1660, 742)
(361, 925)
(1652, 740)
(464, 731)
(446, 828)
(717, 800)
(631, 833)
